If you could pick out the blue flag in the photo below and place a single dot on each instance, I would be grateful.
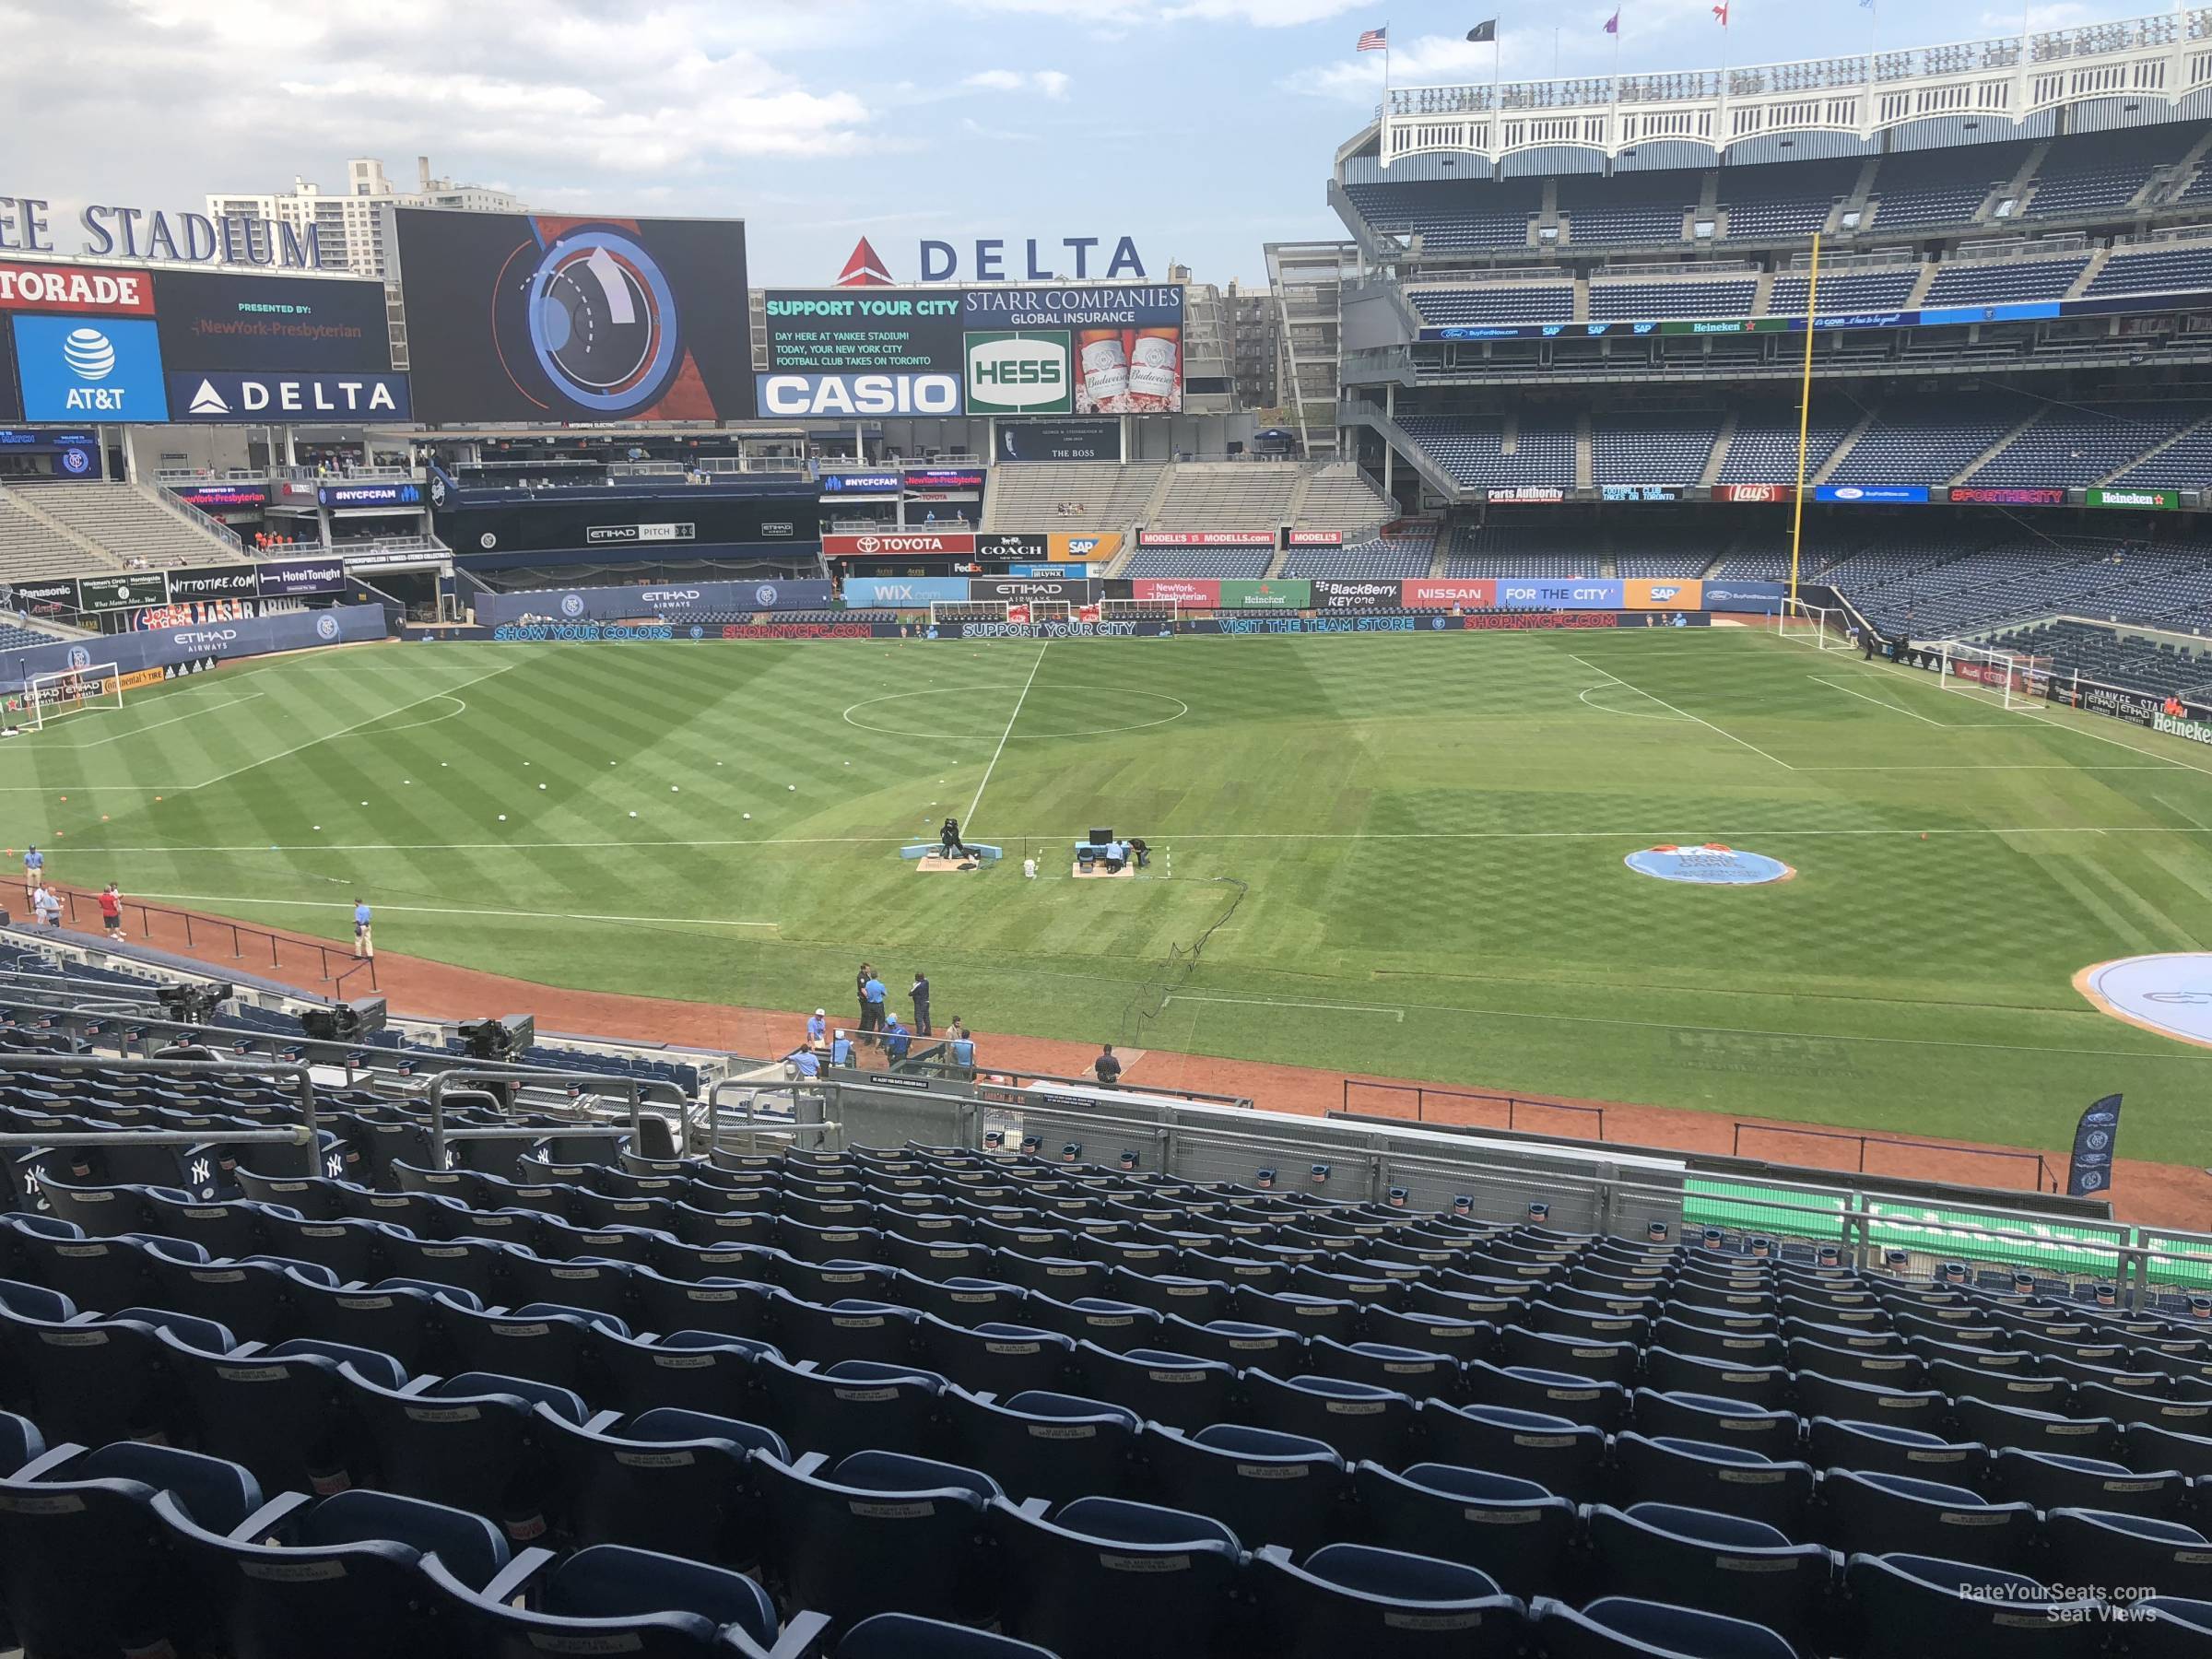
(2091, 1169)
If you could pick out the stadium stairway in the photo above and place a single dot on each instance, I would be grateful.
(2098, 259)
(2159, 449)
(1837, 455)
(1719, 458)
(132, 521)
(1586, 458)
(34, 543)
(1996, 449)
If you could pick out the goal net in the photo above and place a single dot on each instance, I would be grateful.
(1821, 627)
(2011, 680)
(51, 696)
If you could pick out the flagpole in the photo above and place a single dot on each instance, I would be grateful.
(1804, 417)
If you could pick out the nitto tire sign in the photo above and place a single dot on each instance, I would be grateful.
(1017, 373)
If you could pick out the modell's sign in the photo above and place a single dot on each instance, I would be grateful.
(904, 544)
(1317, 538)
(1206, 538)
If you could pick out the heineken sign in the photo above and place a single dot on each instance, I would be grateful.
(2152, 501)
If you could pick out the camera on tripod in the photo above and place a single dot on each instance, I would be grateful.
(345, 1021)
(192, 1004)
(503, 1039)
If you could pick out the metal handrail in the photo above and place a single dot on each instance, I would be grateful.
(790, 1129)
(306, 1135)
(632, 1089)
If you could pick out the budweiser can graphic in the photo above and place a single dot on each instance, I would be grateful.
(1105, 370)
(1154, 369)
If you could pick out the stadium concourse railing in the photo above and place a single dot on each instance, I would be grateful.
(210, 932)
(1591, 1188)
(303, 1134)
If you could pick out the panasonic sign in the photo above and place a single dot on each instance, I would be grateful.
(845, 395)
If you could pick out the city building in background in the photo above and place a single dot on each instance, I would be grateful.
(1306, 283)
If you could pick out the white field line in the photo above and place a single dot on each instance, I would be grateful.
(1876, 701)
(1630, 713)
(250, 765)
(1643, 837)
(1685, 713)
(156, 725)
(442, 910)
(969, 825)
(1269, 1001)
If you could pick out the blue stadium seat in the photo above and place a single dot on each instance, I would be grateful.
(1266, 1487)
(20, 1442)
(545, 1344)
(280, 1411)
(903, 1636)
(339, 1578)
(2099, 1546)
(1726, 1480)
(1352, 1598)
(1173, 1574)
(1907, 1606)
(1514, 1530)
(470, 1441)
(607, 1599)
(1564, 1457)
(1599, 1404)
(1883, 1449)
(1719, 1563)
(1622, 1627)
(2168, 1626)
(666, 1480)
(386, 1318)
(852, 1407)
(1707, 1418)
(998, 1359)
(692, 1370)
(1041, 1445)
(80, 1573)
(1881, 1514)
(2049, 1481)
(1237, 1343)
(916, 1523)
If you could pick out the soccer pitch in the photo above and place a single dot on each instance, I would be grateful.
(1422, 837)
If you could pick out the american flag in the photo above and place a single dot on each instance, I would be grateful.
(1375, 39)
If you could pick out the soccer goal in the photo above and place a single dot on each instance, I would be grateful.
(944, 611)
(51, 696)
(1822, 627)
(2011, 680)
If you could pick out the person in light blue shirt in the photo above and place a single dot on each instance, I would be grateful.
(363, 943)
(875, 993)
(818, 1028)
(896, 1039)
(803, 1061)
(34, 871)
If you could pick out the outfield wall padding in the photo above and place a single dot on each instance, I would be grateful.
(164, 647)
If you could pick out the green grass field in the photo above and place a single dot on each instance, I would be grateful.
(1429, 831)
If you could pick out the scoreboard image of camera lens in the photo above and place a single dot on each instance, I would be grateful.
(1064, 349)
(534, 317)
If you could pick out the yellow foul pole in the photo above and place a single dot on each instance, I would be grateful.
(1804, 420)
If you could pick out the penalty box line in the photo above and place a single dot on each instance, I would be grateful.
(1685, 713)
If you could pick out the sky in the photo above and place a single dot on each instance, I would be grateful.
(1200, 128)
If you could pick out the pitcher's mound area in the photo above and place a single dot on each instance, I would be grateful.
(2171, 994)
(1710, 864)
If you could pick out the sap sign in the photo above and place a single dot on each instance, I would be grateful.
(940, 261)
(1019, 373)
(845, 395)
(256, 397)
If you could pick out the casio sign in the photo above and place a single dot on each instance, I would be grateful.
(849, 395)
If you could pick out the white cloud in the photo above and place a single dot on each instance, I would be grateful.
(1257, 14)
(1048, 83)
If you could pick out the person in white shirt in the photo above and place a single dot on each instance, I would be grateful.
(48, 907)
(1029, 868)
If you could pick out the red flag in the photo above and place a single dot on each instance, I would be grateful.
(1721, 11)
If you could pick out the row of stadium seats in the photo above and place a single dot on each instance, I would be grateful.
(1929, 189)
(873, 1406)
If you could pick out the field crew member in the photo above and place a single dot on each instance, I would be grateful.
(363, 943)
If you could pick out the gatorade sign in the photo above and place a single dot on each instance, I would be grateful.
(1019, 373)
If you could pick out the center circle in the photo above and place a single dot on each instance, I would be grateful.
(993, 735)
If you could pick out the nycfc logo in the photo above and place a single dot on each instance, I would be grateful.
(326, 627)
(488, 540)
(571, 605)
(79, 657)
(77, 461)
(2097, 1140)
(765, 595)
(437, 489)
